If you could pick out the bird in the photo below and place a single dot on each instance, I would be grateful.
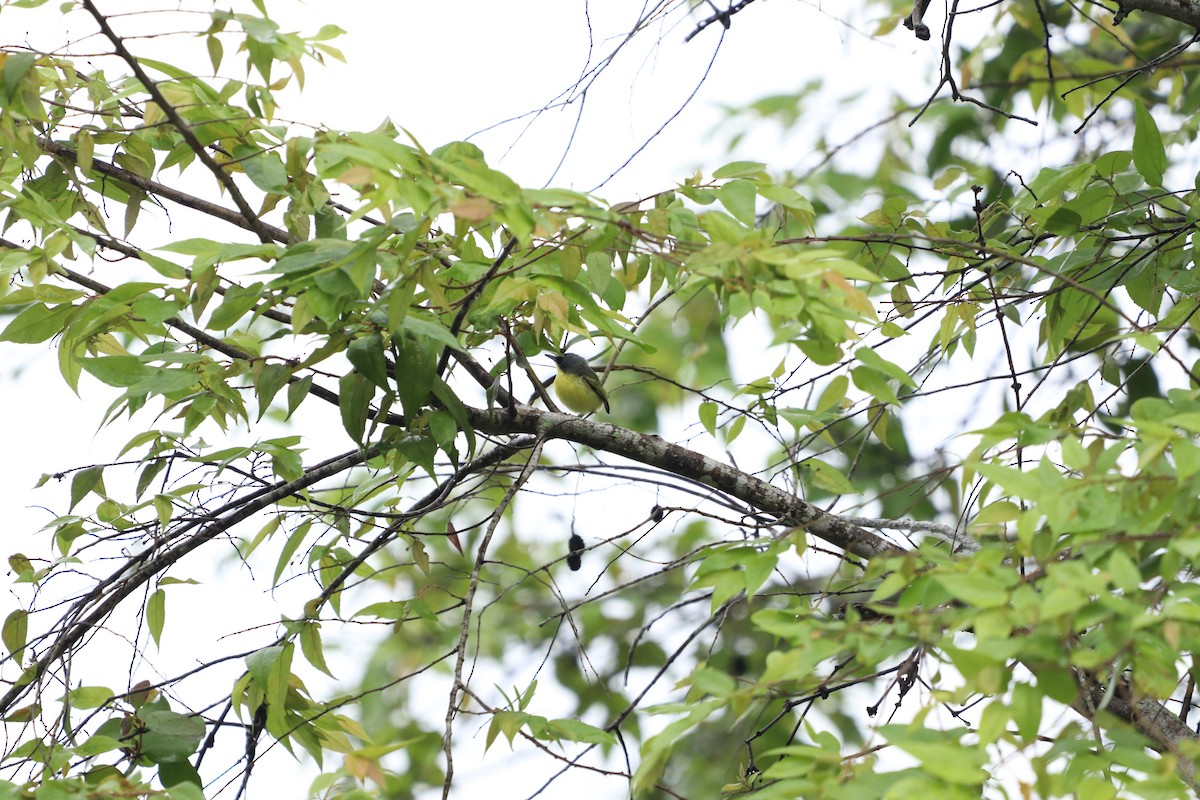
(577, 384)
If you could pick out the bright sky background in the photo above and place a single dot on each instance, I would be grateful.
(445, 70)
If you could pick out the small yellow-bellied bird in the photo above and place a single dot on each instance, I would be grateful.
(578, 385)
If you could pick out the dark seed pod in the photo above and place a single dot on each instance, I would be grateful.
(575, 547)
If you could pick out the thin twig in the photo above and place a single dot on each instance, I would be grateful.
(468, 604)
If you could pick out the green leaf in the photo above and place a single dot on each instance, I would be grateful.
(183, 791)
(36, 324)
(735, 428)
(306, 258)
(40, 293)
(169, 736)
(119, 371)
(992, 722)
(165, 381)
(260, 662)
(367, 356)
(181, 780)
(265, 532)
(976, 589)
(1149, 154)
(14, 633)
(20, 564)
(355, 392)
(277, 686)
(873, 360)
(237, 301)
(938, 755)
(417, 367)
(834, 393)
(708, 417)
(507, 722)
(156, 615)
(216, 52)
(875, 384)
(24, 714)
(297, 391)
(16, 66)
(739, 169)
(90, 696)
(576, 731)
(85, 481)
(1015, 482)
(97, 745)
(608, 323)
(757, 568)
(265, 170)
(458, 412)
(388, 609)
(289, 549)
(437, 333)
(713, 682)
(444, 430)
(1027, 710)
(997, 512)
(310, 646)
(268, 380)
(658, 748)
(738, 198)
(826, 477)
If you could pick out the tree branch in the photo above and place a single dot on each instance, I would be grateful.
(253, 223)
(166, 192)
(718, 16)
(1162, 726)
(456, 685)
(1158, 723)
(660, 453)
(1185, 11)
(126, 581)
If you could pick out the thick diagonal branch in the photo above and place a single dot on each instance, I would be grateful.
(1185, 11)
(677, 460)
(1155, 720)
